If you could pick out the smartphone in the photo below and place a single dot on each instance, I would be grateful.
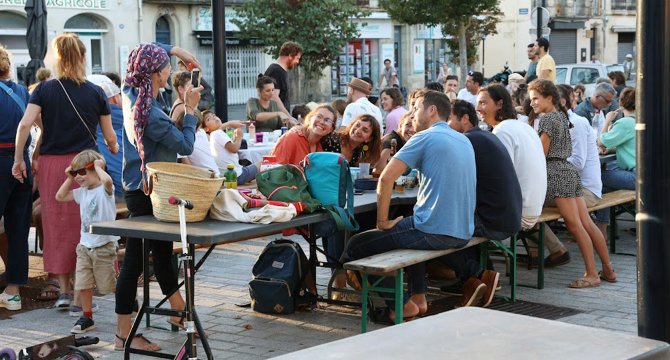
(195, 78)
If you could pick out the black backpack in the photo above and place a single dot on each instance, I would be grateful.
(282, 279)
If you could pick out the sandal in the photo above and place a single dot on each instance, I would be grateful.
(140, 336)
(180, 324)
(50, 292)
(610, 279)
(583, 283)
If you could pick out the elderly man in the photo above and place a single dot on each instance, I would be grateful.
(357, 96)
(289, 57)
(629, 66)
(602, 97)
(444, 211)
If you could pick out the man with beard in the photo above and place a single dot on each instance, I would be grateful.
(532, 56)
(473, 83)
(546, 66)
(289, 57)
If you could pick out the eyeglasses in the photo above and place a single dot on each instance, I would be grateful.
(324, 119)
(82, 171)
(607, 101)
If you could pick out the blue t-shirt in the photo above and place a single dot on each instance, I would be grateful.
(11, 112)
(63, 131)
(445, 160)
(113, 161)
(498, 190)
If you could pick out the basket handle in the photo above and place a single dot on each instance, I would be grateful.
(147, 189)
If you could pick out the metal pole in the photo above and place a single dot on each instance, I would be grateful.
(653, 168)
(219, 42)
(539, 19)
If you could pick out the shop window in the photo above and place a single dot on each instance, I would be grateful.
(354, 61)
(91, 31)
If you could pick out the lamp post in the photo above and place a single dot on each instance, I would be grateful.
(483, 53)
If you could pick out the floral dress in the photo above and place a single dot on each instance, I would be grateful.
(562, 177)
(333, 143)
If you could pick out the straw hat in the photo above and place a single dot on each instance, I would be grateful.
(360, 85)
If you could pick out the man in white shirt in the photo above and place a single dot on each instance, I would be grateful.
(389, 74)
(359, 103)
(473, 83)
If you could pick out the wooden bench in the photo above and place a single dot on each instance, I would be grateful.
(609, 200)
(394, 262)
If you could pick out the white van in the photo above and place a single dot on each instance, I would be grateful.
(586, 74)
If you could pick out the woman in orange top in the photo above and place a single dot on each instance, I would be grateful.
(293, 146)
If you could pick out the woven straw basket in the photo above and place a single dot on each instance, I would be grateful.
(186, 182)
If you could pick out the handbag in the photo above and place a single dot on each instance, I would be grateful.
(75, 110)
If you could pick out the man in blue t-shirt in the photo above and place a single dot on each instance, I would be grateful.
(444, 211)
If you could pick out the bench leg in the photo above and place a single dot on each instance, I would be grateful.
(397, 293)
(612, 231)
(364, 303)
(540, 258)
(511, 252)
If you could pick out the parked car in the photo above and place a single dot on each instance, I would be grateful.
(587, 74)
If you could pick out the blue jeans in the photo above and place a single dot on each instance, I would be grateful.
(16, 203)
(332, 238)
(405, 236)
(615, 178)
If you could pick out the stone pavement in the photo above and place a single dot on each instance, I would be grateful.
(239, 333)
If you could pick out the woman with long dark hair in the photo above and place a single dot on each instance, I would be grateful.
(564, 189)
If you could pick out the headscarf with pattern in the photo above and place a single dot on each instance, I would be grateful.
(144, 60)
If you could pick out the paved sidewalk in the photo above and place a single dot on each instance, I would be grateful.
(239, 333)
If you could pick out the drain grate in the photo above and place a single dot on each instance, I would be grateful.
(543, 311)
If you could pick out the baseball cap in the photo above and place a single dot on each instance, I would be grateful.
(629, 56)
(105, 83)
(515, 77)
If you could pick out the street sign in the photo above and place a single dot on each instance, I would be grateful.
(545, 17)
(523, 11)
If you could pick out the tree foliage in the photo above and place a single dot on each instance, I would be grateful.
(321, 27)
(458, 18)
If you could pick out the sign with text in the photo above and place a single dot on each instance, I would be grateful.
(67, 4)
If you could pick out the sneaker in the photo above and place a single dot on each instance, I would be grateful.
(63, 302)
(490, 279)
(83, 325)
(473, 292)
(77, 311)
(10, 302)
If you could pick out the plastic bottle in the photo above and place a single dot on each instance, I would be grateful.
(252, 133)
(230, 178)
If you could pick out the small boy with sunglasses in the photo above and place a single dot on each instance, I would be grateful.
(95, 253)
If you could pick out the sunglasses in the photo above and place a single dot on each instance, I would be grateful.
(82, 171)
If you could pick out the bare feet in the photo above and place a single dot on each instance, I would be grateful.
(584, 282)
(408, 311)
(421, 303)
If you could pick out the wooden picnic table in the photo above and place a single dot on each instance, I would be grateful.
(477, 333)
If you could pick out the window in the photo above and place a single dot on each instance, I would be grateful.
(584, 75)
(163, 31)
(624, 5)
(560, 75)
(91, 30)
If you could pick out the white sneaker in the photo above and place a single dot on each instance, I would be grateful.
(10, 302)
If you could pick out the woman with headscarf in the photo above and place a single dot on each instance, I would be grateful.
(68, 110)
(16, 196)
(149, 135)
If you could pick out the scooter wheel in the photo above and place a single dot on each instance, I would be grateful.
(7, 354)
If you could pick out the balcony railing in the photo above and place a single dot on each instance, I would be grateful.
(572, 8)
(624, 5)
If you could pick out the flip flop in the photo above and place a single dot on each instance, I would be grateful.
(180, 324)
(583, 283)
(608, 279)
(123, 342)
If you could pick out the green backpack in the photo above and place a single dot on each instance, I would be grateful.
(287, 183)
